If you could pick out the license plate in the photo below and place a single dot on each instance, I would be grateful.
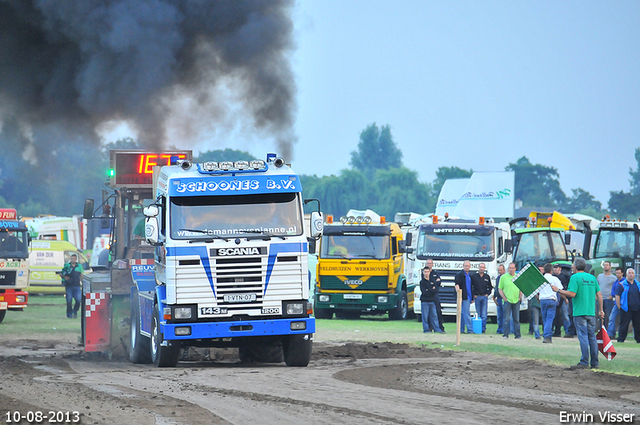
(271, 310)
(212, 311)
(4, 306)
(240, 298)
(352, 296)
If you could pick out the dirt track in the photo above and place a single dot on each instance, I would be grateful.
(345, 383)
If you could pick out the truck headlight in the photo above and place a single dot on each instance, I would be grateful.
(296, 308)
(298, 326)
(183, 331)
(20, 298)
(324, 298)
(182, 313)
(383, 299)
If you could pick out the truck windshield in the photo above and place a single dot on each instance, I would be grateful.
(14, 244)
(540, 247)
(240, 215)
(355, 246)
(455, 243)
(614, 243)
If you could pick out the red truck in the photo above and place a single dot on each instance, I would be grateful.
(14, 262)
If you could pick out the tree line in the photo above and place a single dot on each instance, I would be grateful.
(376, 179)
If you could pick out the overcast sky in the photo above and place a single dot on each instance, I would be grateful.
(473, 84)
(470, 84)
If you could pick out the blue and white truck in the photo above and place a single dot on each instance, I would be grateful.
(230, 264)
(202, 255)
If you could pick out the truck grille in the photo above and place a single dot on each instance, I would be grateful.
(239, 276)
(447, 293)
(374, 283)
(8, 278)
(250, 282)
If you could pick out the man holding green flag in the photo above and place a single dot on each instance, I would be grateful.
(512, 296)
(585, 291)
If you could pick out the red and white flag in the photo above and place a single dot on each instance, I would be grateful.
(605, 345)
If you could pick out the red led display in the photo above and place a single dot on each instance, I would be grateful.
(135, 168)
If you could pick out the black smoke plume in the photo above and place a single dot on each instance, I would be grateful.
(167, 67)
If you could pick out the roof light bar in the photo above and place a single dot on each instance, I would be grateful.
(225, 165)
(210, 166)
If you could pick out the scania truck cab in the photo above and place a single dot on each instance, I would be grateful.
(230, 264)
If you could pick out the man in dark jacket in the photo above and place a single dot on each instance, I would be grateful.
(463, 283)
(437, 299)
(481, 284)
(72, 280)
(429, 287)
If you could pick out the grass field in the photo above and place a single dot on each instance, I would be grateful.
(45, 318)
(562, 352)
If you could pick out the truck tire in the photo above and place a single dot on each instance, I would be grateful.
(402, 309)
(323, 313)
(140, 350)
(162, 356)
(260, 353)
(297, 350)
(2, 314)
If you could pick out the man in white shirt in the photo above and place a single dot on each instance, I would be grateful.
(548, 303)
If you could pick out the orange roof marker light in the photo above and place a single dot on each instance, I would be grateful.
(481, 221)
(383, 219)
(329, 219)
(434, 219)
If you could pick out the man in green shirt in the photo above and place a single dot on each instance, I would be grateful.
(511, 306)
(585, 291)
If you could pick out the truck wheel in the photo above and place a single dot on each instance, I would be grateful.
(297, 350)
(323, 313)
(402, 309)
(2, 314)
(162, 356)
(260, 353)
(140, 351)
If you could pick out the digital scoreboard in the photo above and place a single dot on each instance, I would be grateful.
(134, 168)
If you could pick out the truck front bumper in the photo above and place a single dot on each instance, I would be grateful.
(12, 299)
(357, 302)
(250, 328)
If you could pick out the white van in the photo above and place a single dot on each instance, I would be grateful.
(46, 258)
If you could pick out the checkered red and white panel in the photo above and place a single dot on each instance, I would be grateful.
(93, 300)
(142, 262)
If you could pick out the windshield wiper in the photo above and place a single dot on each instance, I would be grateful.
(264, 233)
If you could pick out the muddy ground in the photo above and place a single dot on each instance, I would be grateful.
(345, 383)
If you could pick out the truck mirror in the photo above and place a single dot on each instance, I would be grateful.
(151, 230)
(151, 211)
(508, 247)
(88, 209)
(409, 239)
(317, 224)
(402, 247)
(312, 246)
(409, 250)
(567, 238)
